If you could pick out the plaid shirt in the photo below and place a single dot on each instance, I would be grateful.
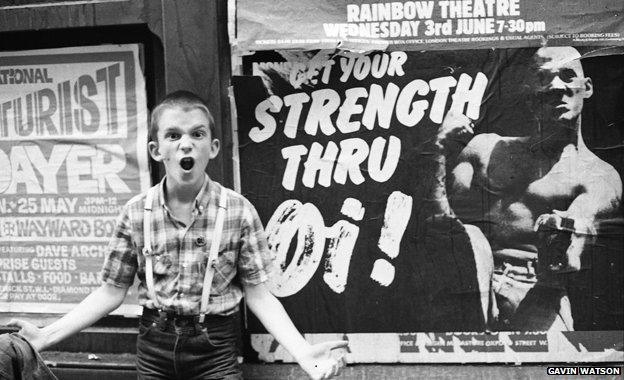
(181, 252)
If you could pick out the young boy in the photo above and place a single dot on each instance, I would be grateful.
(165, 237)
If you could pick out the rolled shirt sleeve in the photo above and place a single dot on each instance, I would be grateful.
(256, 261)
(120, 265)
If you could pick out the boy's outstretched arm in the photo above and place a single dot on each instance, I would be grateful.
(316, 359)
(96, 305)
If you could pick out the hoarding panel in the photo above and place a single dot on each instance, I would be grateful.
(381, 235)
(73, 137)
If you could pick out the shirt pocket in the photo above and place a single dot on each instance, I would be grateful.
(162, 263)
(226, 261)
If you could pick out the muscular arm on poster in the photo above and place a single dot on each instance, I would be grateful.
(452, 151)
(96, 305)
(315, 359)
(451, 138)
(600, 196)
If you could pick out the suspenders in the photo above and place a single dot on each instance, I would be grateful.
(147, 246)
(214, 250)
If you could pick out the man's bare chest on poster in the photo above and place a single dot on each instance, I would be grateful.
(515, 207)
(514, 189)
(513, 217)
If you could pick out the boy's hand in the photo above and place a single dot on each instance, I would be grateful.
(32, 333)
(318, 361)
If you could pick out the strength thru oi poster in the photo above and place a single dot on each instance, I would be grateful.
(450, 194)
(441, 192)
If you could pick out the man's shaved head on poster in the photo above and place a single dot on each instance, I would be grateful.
(559, 85)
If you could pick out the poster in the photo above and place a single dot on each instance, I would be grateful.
(441, 206)
(73, 138)
(425, 25)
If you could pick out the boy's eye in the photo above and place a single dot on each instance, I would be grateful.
(199, 134)
(172, 136)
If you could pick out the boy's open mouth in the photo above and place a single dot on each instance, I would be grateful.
(187, 163)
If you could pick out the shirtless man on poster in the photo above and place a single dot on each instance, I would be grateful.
(541, 196)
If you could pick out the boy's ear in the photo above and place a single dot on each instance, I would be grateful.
(214, 148)
(152, 146)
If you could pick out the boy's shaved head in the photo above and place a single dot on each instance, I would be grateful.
(185, 100)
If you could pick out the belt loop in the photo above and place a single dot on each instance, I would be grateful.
(199, 323)
(199, 326)
(163, 317)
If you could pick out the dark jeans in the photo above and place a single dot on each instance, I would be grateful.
(182, 349)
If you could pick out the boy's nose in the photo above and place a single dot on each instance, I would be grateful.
(186, 143)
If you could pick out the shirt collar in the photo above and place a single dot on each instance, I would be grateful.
(203, 197)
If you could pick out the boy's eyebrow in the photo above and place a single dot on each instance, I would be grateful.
(175, 128)
(171, 128)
